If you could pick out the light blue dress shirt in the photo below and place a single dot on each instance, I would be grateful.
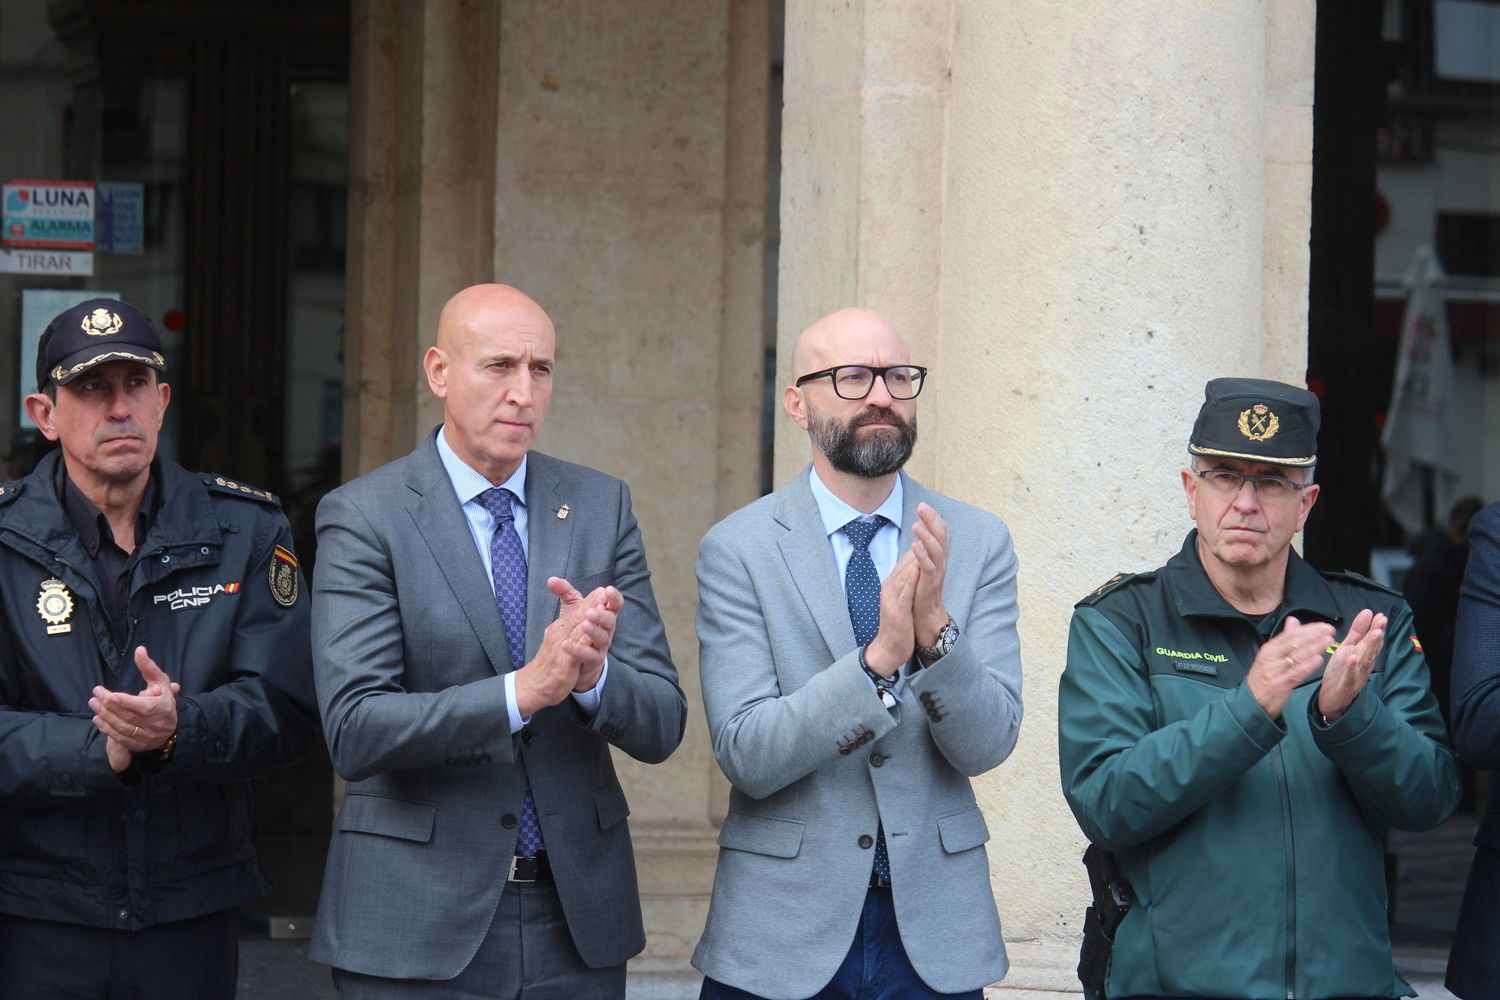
(885, 547)
(468, 484)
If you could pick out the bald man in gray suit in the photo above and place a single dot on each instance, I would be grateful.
(860, 664)
(483, 632)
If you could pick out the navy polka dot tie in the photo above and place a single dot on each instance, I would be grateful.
(862, 591)
(508, 568)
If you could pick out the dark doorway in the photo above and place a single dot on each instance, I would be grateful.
(233, 116)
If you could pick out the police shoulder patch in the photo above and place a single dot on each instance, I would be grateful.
(9, 491)
(1359, 580)
(282, 578)
(234, 488)
(1112, 584)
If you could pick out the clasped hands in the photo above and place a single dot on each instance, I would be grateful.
(573, 647)
(136, 723)
(911, 598)
(1296, 653)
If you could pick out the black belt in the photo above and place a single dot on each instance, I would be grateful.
(535, 869)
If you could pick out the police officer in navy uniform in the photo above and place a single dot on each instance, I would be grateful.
(154, 659)
(1239, 730)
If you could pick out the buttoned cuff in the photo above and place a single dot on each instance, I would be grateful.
(588, 701)
(512, 711)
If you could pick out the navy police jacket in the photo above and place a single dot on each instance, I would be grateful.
(217, 599)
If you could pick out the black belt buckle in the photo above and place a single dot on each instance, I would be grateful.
(533, 869)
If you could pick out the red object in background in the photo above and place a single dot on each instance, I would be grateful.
(1380, 419)
(173, 320)
(1315, 386)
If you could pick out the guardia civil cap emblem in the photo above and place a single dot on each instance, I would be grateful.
(55, 605)
(102, 323)
(1258, 423)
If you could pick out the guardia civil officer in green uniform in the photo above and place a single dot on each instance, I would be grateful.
(154, 658)
(1239, 730)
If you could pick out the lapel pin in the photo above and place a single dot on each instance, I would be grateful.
(563, 512)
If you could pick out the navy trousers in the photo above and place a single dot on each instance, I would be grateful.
(185, 960)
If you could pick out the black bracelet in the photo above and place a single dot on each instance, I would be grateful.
(883, 685)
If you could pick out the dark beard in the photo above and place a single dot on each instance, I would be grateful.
(874, 455)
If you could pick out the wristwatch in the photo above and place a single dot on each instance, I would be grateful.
(946, 640)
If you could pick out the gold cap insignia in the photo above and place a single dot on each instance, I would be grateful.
(102, 323)
(55, 605)
(1258, 423)
(563, 512)
(283, 577)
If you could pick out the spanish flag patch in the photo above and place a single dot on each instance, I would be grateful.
(1417, 643)
(283, 576)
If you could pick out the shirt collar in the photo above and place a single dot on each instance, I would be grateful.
(835, 513)
(468, 482)
(89, 521)
(1305, 594)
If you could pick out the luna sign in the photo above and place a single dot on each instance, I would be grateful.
(48, 215)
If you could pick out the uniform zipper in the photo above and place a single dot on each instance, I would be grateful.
(1288, 846)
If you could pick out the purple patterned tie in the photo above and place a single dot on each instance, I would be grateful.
(508, 568)
(862, 591)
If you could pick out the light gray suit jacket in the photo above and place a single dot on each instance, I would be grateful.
(816, 761)
(408, 652)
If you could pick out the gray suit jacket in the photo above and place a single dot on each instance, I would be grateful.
(408, 652)
(816, 761)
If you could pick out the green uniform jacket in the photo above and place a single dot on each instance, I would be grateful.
(1253, 846)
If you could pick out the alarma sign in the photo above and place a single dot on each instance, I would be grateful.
(48, 215)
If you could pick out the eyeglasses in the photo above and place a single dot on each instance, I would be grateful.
(1226, 482)
(856, 381)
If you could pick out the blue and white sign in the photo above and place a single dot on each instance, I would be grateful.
(118, 217)
(48, 215)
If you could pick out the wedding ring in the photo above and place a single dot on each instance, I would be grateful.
(135, 732)
(1291, 663)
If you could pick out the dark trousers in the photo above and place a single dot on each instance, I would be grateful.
(876, 967)
(528, 954)
(194, 959)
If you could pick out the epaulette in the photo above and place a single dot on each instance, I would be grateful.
(237, 489)
(9, 491)
(1112, 584)
(1359, 580)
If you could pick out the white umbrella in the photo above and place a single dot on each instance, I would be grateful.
(1420, 437)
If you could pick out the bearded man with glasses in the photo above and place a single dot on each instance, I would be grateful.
(860, 664)
(1237, 732)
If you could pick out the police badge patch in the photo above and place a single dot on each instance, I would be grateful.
(283, 577)
(55, 604)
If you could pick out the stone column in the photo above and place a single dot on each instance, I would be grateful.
(609, 159)
(1077, 214)
(423, 112)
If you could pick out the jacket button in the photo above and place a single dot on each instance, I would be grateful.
(877, 759)
(508, 821)
(527, 737)
(866, 841)
(123, 914)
